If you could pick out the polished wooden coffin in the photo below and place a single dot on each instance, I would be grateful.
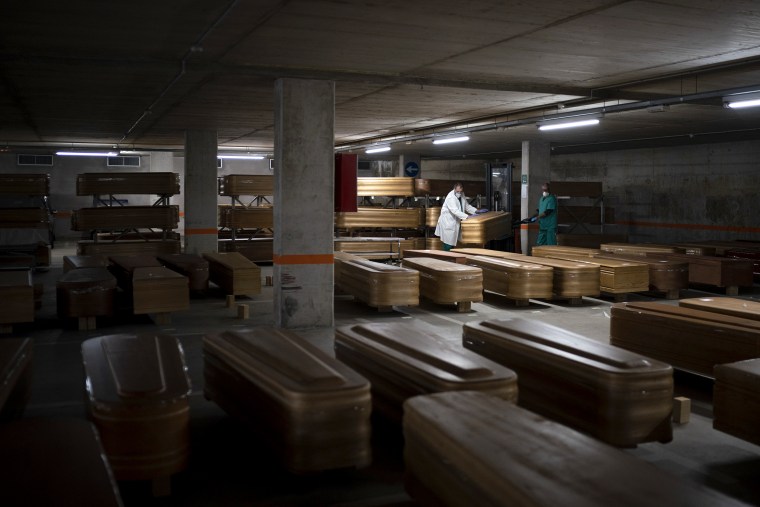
(441, 188)
(617, 396)
(743, 308)
(17, 296)
(667, 276)
(127, 247)
(255, 217)
(388, 186)
(402, 361)
(25, 184)
(691, 340)
(432, 215)
(467, 448)
(253, 249)
(194, 267)
(616, 276)
(310, 409)
(24, 218)
(159, 183)
(480, 229)
(636, 248)
(85, 292)
(547, 250)
(109, 218)
(446, 282)
(437, 254)
(137, 388)
(433, 243)
(15, 376)
(514, 279)
(404, 218)
(247, 184)
(84, 261)
(55, 461)
(233, 273)
(751, 254)
(159, 290)
(715, 271)
(736, 399)
(378, 285)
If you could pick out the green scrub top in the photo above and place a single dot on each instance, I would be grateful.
(548, 202)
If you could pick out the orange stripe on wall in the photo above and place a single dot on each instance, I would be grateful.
(701, 227)
(210, 230)
(304, 259)
(526, 227)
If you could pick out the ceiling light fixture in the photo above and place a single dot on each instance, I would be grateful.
(742, 100)
(378, 149)
(242, 157)
(87, 153)
(447, 140)
(569, 122)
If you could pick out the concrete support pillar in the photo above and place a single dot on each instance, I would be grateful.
(200, 189)
(536, 157)
(304, 176)
(409, 165)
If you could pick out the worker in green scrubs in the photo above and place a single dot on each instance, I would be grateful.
(547, 217)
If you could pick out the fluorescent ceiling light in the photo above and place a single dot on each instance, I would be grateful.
(742, 100)
(570, 122)
(87, 153)
(447, 140)
(378, 149)
(242, 157)
(131, 152)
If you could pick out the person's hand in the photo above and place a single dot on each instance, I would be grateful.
(533, 218)
(464, 218)
(483, 210)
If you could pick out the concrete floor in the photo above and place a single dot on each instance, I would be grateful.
(228, 466)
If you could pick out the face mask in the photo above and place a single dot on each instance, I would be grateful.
(458, 194)
(545, 194)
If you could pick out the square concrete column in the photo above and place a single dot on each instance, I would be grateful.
(304, 177)
(536, 158)
(200, 191)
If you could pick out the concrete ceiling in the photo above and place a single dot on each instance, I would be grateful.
(137, 74)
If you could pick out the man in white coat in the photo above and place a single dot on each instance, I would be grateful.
(454, 210)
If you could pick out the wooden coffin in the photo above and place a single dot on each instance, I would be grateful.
(85, 292)
(636, 249)
(514, 279)
(617, 396)
(437, 254)
(664, 275)
(88, 247)
(432, 215)
(194, 267)
(390, 186)
(17, 261)
(123, 267)
(402, 361)
(256, 217)
(159, 290)
(404, 218)
(446, 282)
(233, 273)
(691, 340)
(433, 243)
(467, 448)
(55, 461)
(570, 279)
(25, 184)
(716, 271)
(84, 261)
(722, 247)
(247, 184)
(589, 240)
(751, 254)
(137, 389)
(125, 217)
(743, 308)
(480, 229)
(24, 218)
(377, 285)
(17, 296)
(312, 410)
(547, 250)
(441, 188)
(159, 183)
(15, 376)
(736, 399)
(253, 249)
(616, 276)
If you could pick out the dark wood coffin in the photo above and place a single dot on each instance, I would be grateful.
(711, 270)
(17, 296)
(736, 399)
(84, 261)
(159, 290)
(25, 184)
(127, 247)
(617, 396)
(194, 267)
(110, 218)
(253, 249)
(85, 292)
(233, 273)
(664, 275)
(159, 183)
(247, 184)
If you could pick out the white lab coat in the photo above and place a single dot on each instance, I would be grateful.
(452, 213)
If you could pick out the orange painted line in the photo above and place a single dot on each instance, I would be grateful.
(527, 227)
(700, 227)
(304, 259)
(210, 230)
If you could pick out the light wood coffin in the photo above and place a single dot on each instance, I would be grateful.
(441, 188)
(433, 243)
(17, 296)
(159, 183)
(159, 290)
(402, 218)
(446, 282)
(15, 376)
(25, 184)
(664, 275)
(402, 361)
(545, 250)
(691, 340)
(312, 410)
(480, 229)
(616, 276)
(736, 399)
(247, 184)
(636, 249)
(123, 267)
(617, 396)
(194, 267)
(256, 217)
(467, 448)
(716, 271)
(391, 186)
(432, 215)
(23, 218)
(138, 388)
(514, 279)
(233, 273)
(85, 292)
(437, 254)
(378, 285)
(375, 247)
(129, 247)
(743, 308)
(84, 261)
(111, 218)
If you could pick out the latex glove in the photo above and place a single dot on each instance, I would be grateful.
(463, 219)
(483, 210)
(533, 218)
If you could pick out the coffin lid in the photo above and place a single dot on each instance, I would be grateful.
(741, 373)
(14, 354)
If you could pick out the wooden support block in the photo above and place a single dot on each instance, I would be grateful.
(464, 306)
(681, 409)
(242, 311)
(6, 329)
(575, 301)
(673, 294)
(161, 486)
(522, 302)
(732, 290)
(162, 319)
(230, 300)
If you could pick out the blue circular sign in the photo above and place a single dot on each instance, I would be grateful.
(412, 169)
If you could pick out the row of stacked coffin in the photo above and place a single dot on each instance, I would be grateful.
(521, 410)
(30, 209)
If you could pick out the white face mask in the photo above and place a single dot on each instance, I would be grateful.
(545, 194)
(458, 194)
